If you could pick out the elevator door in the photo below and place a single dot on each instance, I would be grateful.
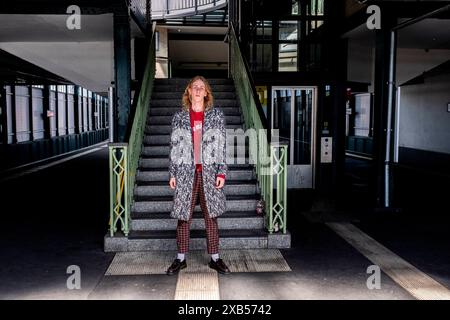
(293, 114)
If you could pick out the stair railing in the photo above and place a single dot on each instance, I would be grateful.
(271, 158)
(165, 9)
(124, 157)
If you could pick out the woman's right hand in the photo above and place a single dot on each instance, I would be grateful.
(172, 183)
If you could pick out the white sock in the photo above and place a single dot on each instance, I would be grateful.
(180, 256)
(215, 257)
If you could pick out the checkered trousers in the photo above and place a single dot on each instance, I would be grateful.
(212, 230)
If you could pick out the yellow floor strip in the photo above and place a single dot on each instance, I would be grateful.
(418, 284)
(197, 286)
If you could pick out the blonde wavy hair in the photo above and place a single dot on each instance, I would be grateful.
(186, 99)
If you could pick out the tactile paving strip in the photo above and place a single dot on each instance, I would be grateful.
(157, 262)
(140, 263)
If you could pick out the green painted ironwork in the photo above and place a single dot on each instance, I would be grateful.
(118, 187)
(124, 157)
(270, 158)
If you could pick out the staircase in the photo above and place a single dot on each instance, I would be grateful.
(151, 227)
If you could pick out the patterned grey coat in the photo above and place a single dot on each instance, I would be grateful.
(182, 166)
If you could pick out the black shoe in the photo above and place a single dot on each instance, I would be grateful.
(220, 266)
(176, 266)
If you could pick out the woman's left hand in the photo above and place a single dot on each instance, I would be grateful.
(220, 182)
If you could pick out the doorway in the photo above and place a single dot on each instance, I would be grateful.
(293, 113)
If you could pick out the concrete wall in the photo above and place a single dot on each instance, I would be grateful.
(195, 52)
(424, 122)
(162, 65)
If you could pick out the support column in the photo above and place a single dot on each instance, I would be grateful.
(57, 111)
(13, 114)
(4, 116)
(67, 110)
(93, 110)
(76, 109)
(30, 111)
(46, 105)
(122, 68)
(383, 46)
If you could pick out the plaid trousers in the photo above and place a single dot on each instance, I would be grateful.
(212, 230)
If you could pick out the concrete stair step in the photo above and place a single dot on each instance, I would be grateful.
(229, 220)
(163, 175)
(180, 87)
(185, 81)
(160, 120)
(164, 140)
(165, 204)
(166, 129)
(157, 139)
(177, 102)
(166, 240)
(229, 239)
(164, 183)
(176, 95)
(165, 151)
(164, 190)
(170, 111)
(162, 163)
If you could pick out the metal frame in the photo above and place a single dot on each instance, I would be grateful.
(3, 116)
(183, 8)
(313, 124)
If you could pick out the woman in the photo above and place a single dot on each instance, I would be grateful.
(197, 168)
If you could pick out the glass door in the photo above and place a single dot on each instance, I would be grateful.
(293, 114)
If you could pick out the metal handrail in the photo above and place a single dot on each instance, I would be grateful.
(124, 157)
(272, 173)
(164, 9)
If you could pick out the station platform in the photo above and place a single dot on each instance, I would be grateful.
(56, 216)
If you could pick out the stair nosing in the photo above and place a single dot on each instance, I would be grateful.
(250, 197)
(198, 234)
(197, 215)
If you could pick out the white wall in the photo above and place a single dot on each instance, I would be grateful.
(162, 66)
(424, 122)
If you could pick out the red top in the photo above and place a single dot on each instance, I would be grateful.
(197, 119)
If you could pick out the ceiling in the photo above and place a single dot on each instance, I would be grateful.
(53, 28)
(425, 34)
(84, 57)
